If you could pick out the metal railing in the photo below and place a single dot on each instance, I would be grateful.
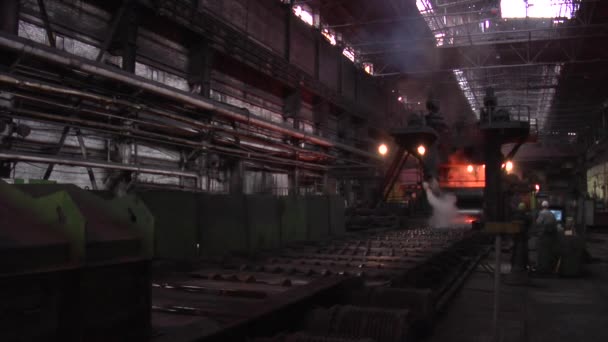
(501, 114)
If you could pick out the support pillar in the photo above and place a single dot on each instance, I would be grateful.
(236, 177)
(340, 70)
(493, 210)
(317, 46)
(9, 23)
(288, 23)
(9, 16)
(128, 37)
(294, 182)
(200, 62)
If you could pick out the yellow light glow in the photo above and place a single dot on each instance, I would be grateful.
(509, 166)
(470, 168)
(383, 149)
(421, 150)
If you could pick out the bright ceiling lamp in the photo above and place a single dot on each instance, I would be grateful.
(383, 149)
(421, 150)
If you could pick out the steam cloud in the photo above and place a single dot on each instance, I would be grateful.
(445, 211)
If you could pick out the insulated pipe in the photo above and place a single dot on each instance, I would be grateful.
(33, 158)
(143, 134)
(54, 89)
(32, 49)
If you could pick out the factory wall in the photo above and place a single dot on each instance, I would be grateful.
(159, 59)
(198, 224)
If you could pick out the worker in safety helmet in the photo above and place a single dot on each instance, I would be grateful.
(546, 217)
(547, 241)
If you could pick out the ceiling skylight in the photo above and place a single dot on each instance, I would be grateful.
(536, 9)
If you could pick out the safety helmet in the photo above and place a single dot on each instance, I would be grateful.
(545, 204)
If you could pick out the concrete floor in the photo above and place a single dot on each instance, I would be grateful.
(548, 309)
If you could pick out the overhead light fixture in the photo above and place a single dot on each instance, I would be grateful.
(382, 149)
(470, 168)
(509, 166)
(421, 150)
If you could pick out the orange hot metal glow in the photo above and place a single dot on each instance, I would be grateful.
(458, 173)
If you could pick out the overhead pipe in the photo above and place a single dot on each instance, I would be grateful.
(32, 85)
(33, 49)
(33, 158)
(136, 133)
(259, 156)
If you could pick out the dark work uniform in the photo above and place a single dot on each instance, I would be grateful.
(547, 242)
(519, 259)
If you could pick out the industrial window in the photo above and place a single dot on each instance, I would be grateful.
(304, 13)
(439, 38)
(349, 53)
(538, 8)
(331, 38)
(424, 6)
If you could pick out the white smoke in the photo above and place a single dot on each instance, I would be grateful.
(445, 211)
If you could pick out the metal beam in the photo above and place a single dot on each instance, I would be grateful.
(113, 27)
(47, 24)
(37, 158)
(489, 67)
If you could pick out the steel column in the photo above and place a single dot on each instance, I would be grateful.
(47, 24)
(112, 31)
(9, 16)
(128, 37)
(497, 268)
(288, 23)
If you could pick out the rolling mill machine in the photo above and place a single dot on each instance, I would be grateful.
(73, 266)
(373, 283)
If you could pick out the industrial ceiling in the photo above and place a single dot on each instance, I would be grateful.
(548, 57)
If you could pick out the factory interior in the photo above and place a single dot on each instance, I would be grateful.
(304, 170)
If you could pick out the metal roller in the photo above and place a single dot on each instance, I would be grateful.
(382, 325)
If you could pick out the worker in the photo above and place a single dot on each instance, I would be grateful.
(519, 258)
(547, 240)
